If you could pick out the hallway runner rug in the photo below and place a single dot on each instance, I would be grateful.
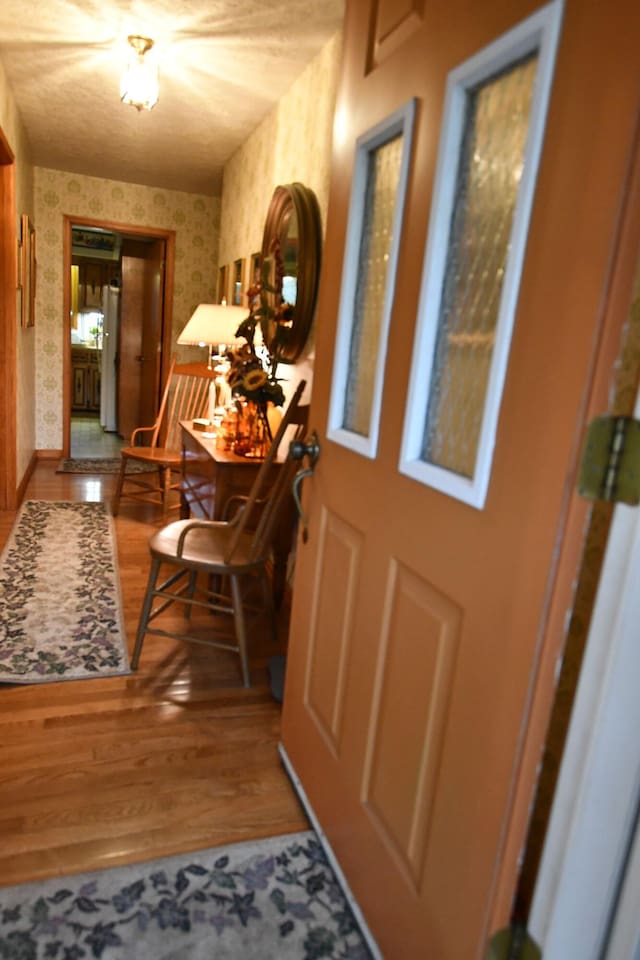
(60, 605)
(95, 465)
(274, 899)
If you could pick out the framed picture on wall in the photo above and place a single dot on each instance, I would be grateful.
(237, 282)
(230, 283)
(254, 261)
(222, 283)
(27, 272)
(19, 291)
(252, 279)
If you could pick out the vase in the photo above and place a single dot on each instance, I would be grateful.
(274, 418)
(252, 437)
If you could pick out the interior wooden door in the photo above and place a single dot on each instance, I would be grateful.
(129, 364)
(140, 334)
(152, 330)
(420, 611)
(8, 334)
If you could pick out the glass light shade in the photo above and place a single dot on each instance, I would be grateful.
(139, 82)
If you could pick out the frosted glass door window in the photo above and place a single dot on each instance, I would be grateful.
(368, 281)
(380, 197)
(490, 146)
(492, 156)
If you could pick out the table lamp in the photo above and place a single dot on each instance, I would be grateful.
(212, 324)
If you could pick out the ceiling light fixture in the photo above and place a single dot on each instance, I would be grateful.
(139, 83)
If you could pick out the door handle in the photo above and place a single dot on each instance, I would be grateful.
(298, 450)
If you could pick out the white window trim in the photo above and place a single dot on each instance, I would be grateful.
(399, 123)
(539, 32)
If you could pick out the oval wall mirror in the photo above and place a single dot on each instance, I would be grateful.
(290, 269)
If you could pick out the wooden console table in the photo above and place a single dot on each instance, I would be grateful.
(210, 476)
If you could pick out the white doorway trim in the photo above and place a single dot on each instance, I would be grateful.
(625, 932)
(593, 816)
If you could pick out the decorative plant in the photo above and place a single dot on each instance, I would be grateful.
(96, 333)
(248, 376)
(259, 387)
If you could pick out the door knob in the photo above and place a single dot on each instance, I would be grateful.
(299, 449)
(310, 447)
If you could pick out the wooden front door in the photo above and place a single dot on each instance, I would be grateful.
(424, 596)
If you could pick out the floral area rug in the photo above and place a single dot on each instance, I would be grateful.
(110, 465)
(60, 606)
(274, 899)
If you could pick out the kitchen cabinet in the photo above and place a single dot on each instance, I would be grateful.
(85, 378)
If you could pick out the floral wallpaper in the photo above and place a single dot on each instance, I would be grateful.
(293, 143)
(11, 126)
(194, 218)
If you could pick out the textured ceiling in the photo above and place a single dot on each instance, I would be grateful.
(223, 65)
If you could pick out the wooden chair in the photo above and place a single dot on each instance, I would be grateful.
(222, 553)
(185, 397)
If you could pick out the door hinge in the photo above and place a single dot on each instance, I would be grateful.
(610, 466)
(513, 943)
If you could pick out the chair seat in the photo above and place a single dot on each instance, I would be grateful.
(163, 456)
(205, 547)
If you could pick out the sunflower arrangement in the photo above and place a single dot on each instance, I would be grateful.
(247, 377)
(250, 376)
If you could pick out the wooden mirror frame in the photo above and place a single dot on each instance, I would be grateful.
(300, 199)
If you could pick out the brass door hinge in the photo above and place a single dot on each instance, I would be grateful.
(610, 466)
(513, 943)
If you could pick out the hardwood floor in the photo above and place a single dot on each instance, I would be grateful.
(176, 757)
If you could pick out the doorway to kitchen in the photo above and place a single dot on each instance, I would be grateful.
(118, 291)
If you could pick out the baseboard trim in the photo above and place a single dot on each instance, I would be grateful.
(22, 487)
(48, 454)
(331, 857)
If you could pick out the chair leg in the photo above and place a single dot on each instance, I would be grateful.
(144, 613)
(166, 492)
(188, 607)
(115, 504)
(241, 636)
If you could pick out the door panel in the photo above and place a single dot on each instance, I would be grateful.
(334, 599)
(395, 21)
(418, 621)
(420, 626)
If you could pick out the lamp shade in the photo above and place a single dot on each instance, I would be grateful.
(213, 323)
